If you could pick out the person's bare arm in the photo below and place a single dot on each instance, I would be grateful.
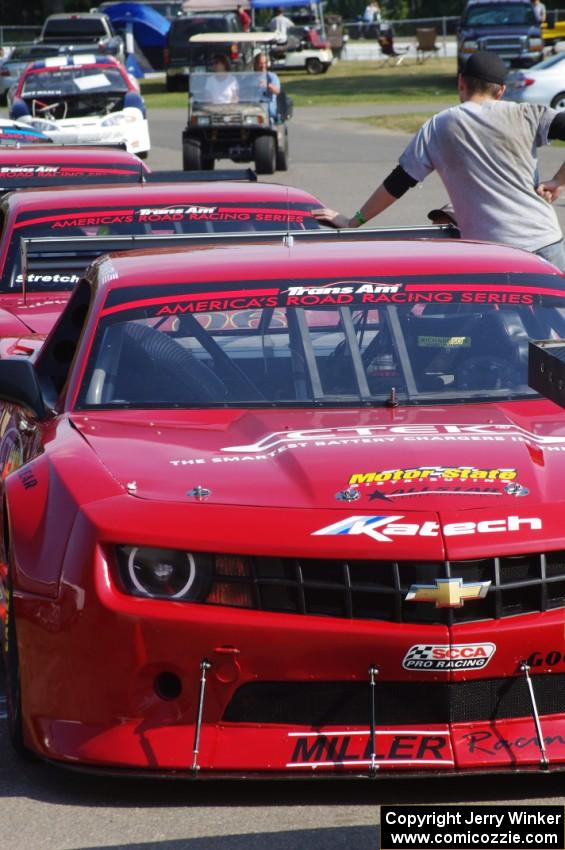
(396, 184)
(550, 190)
(379, 201)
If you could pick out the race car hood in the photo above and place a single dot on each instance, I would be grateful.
(435, 459)
(37, 312)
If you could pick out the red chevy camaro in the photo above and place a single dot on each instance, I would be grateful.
(120, 210)
(318, 525)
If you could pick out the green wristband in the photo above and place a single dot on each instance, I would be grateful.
(360, 218)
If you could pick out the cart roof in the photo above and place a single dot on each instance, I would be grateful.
(226, 37)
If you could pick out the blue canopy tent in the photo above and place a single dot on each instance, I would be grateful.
(148, 27)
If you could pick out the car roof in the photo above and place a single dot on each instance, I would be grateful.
(71, 15)
(316, 259)
(66, 61)
(156, 194)
(66, 155)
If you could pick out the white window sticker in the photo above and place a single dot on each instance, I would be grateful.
(92, 81)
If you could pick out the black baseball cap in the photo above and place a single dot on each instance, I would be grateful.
(485, 66)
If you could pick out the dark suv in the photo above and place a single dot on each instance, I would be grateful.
(176, 51)
(506, 27)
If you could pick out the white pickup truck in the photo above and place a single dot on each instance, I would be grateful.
(85, 32)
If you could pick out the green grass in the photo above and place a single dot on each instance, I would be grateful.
(349, 82)
(403, 122)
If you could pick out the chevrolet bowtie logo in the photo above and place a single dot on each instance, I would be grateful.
(448, 592)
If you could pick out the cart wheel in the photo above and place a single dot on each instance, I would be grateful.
(265, 155)
(282, 155)
(314, 66)
(191, 155)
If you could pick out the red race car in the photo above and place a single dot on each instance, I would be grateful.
(50, 165)
(318, 525)
(140, 210)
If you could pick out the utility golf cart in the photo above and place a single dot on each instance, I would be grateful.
(231, 115)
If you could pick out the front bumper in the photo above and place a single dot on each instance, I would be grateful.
(112, 681)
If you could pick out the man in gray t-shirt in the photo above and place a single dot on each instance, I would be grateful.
(485, 151)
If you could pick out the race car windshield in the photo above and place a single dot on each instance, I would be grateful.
(500, 14)
(197, 218)
(73, 81)
(348, 342)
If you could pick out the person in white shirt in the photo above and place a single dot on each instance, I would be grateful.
(539, 11)
(280, 25)
(221, 86)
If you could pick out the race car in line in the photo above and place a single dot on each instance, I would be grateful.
(121, 210)
(82, 99)
(318, 526)
(55, 165)
(19, 133)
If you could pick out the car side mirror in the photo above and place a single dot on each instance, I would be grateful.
(19, 384)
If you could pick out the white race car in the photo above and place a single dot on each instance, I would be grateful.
(82, 99)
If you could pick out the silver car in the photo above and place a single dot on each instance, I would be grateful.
(543, 83)
(18, 59)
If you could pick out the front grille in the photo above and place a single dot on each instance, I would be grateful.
(228, 118)
(504, 46)
(376, 590)
(397, 703)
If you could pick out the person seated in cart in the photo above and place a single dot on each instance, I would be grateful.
(222, 86)
(270, 83)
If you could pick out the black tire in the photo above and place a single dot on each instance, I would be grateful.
(13, 685)
(558, 101)
(282, 155)
(315, 66)
(3, 98)
(170, 83)
(143, 154)
(208, 163)
(265, 155)
(191, 155)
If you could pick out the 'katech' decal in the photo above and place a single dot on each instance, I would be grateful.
(349, 749)
(460, 656)
(384, 528)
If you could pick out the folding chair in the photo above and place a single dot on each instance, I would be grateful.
(390, 53)
(426, 43)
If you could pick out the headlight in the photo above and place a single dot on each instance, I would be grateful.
(470, 46)
(536, 44)
(202, 120)
(165, 573)
(114, 120)
(253, 119)
(186, 576)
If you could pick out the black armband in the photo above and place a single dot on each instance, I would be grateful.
(398, 182)
(557, 127)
